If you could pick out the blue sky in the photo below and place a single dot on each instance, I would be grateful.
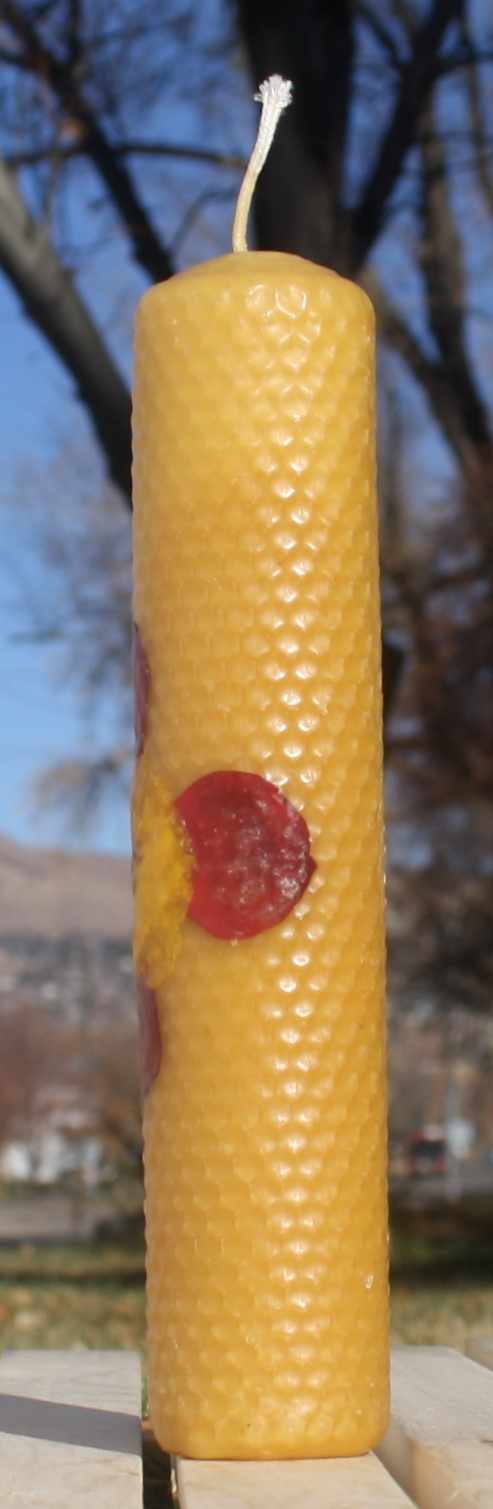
(40, 713)
(39, 719)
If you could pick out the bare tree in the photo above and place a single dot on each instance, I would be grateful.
(30, 1053)
(322, 193)
(111, 1082)
(382, 169)
(80, 1083)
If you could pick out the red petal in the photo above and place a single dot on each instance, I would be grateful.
(251, 849)
(149, 1034)
(142, 682)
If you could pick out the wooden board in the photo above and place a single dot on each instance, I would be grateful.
(440, 1442)
(480, 1349)
(70, 1432)
(359, 1483)
(70, 1435)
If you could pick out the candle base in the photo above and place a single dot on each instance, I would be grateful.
(292, 1437)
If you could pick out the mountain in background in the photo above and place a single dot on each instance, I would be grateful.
(56, 893)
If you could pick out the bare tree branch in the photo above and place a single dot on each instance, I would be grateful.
(475, 461)
(35, 57)
(441, 262)
(417, 78)
(52, 301)
(461, 57)
(131, 148)
(381, 32)
(77, 788)
(480, 137)
(431, 375)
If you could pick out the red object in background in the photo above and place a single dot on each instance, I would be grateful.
(142, 682)
(427, 1151)
(151, 1051)
(251, 851)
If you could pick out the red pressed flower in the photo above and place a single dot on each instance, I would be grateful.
(251, 851)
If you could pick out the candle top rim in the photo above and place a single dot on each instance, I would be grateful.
(259, 267)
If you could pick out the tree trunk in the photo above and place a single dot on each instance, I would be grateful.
(52, 302)
(298, 204)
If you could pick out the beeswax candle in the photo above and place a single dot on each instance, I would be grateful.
(258, 654)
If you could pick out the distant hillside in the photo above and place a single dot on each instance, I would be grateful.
(54, 893)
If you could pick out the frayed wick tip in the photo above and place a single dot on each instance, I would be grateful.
(274, 95)
(277, 90)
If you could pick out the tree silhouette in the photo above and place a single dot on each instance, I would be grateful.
(381, 169)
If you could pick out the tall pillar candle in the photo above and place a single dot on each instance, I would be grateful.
(259, 939)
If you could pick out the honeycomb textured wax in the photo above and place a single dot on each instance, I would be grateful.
(257, 605)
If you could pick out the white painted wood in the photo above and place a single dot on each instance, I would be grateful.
(480, 1349)
(70, 1432)
(440, 1443)
(359, 1483)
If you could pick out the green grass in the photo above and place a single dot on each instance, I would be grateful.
(442, 1313)
(72, 1297)
(451, 1238)
(77, 1263)
(93, 1295)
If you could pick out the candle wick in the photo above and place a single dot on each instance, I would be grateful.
(274, 94)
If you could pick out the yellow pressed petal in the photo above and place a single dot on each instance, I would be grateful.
(162, 877)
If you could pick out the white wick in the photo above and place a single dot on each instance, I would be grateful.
(274, 95)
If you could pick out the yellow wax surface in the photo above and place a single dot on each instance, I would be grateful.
(257, 601)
